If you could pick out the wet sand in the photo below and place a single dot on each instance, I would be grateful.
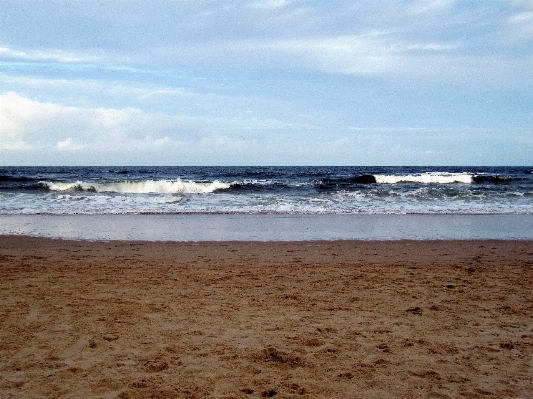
(315, 319)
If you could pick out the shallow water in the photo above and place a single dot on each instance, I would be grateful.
(237, 227)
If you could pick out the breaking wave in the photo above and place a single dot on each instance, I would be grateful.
(421, 178)
(141, 187)
(427, 178)
(283, 190)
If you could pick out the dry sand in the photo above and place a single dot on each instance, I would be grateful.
(400, 319)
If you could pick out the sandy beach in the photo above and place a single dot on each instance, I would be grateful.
(316, 319)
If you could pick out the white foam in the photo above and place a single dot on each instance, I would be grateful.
(426, 178)
(63, 186)
(142, 187)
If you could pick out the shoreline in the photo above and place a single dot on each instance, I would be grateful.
(250, 319)
(270, 227)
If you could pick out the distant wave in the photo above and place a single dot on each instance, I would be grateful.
(124, 171)
(492, 179)
(258, 185)
(10, 178)
(141, 187)
(443, 178)
(332, 183)
(422, 178)
(427, 178)
(10, 183)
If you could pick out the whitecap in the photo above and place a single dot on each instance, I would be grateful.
(142, 187)
(426, 178)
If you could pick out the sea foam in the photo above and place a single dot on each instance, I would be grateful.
(141, 187)
(426, 178)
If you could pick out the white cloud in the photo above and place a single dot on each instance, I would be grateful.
(350, 54)
(441, 56)
(420, 7)
(52, 55)
(345, 54)
(226, 144)
(430, 47)
(521, 25)
(42, 129)
(332, 38)
(269, 4)
(27, 124)
(380, 53)
(69, 145)
(94, 88)
(16, 116)
(33, 81)
(524, 17)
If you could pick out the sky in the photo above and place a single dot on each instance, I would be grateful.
(266, 82)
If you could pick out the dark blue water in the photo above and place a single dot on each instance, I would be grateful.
(270, 190)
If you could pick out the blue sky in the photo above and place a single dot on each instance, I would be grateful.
(266, 82)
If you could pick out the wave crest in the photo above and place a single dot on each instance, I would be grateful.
(426, 178)
(141, 187)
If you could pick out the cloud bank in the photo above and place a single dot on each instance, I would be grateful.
(269, 82)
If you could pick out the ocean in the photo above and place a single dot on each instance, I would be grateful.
(272, 190)
(266, 197)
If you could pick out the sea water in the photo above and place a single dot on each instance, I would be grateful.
(272, 190)
(197, 203)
